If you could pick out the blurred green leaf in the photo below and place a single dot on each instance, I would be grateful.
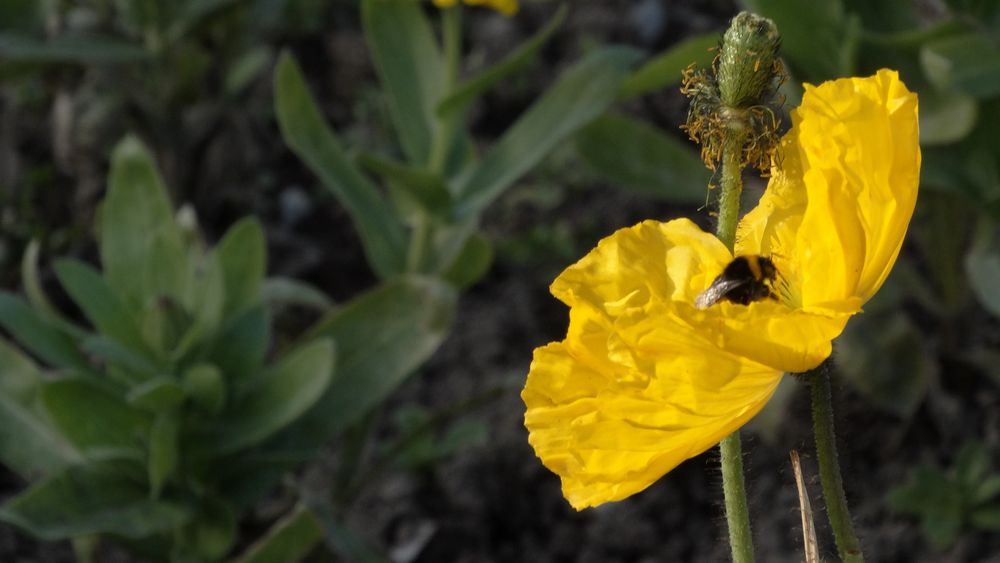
(945, 118)
(188, 15)
(19, 376)
(32, 285)
(145, 17)
(478, 85)
(949, 502)
(422, 445)
(99, 303)
(910, 37)
(26, 16)
(242, 345)
(242, 255)
(969, 63)
(644, 159)
(884, 357)
(666, 68)
(141, 247)
(972, 464)
(311, 139)
(425, 187)
(246, 69)
(282, 394)
(383, 336)
(925, 487)
(982, 266)
(580, 95)
(28, 445)
(158, 395)
(472, 262)
(886, 15)
(68, 49)
(95, 420)
(212, 532)
(206, 300)
(339, 537)
(136, 366)
(411, 68)
(987, 518)
(90, 499)
(37, 335)
(281, 291)
(985, 13)
(818, 39)
(164, 451)
(942, 527)
(288, 541)
(987, 490)
(206, 387)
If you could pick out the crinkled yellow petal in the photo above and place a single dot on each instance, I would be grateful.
(505, 7)
(843, 191)
(662, 267)
(770, 332)
(648, 263)
(611, 413)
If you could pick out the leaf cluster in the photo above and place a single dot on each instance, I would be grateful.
(162, 421)
(951, 501)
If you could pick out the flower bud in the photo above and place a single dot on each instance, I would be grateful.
(735, 102)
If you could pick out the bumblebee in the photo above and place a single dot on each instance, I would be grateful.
(745, 280)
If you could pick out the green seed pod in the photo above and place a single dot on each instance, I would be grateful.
(734, 103)
(747, 63)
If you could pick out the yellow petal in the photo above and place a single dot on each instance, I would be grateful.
(843, 191)
(657, 269)
(610, 426)
(771, 333)
(644, 264)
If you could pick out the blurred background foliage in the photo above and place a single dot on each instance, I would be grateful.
(497, 156)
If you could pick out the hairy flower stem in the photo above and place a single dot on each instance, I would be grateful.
(730, 448)
(733, 488)
(731, 117)
(848, 546)
(737, 514)
(731, 188)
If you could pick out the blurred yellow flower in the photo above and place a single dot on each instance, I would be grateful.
(644, 379)
(505, 7)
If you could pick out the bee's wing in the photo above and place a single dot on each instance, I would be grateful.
(715, 292)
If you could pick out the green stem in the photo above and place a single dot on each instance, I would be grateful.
(733, 487)
(732, 187)
(829, 468)
(737, 513)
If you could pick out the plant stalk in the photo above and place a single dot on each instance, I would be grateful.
(848, 546)
(734, 491)
(731, 186)
(730, 448)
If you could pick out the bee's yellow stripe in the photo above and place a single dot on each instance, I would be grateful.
(754, 263)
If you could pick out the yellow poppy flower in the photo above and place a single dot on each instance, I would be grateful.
(505, 7)
(644, 379)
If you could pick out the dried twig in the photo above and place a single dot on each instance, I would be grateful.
(808, 529)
